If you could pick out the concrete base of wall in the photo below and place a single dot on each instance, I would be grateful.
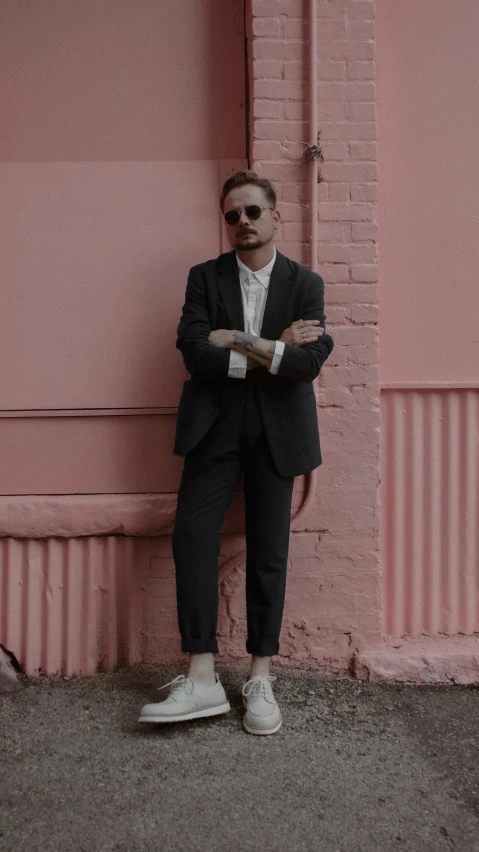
(443, 659)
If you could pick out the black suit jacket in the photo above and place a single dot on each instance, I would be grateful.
(287, 400)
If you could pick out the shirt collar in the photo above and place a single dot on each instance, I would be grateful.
(262, 275)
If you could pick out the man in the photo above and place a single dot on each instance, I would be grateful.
(252, 336)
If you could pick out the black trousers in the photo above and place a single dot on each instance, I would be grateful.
(235, 444)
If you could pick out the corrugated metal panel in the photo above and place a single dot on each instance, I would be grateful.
(429, 505)
(68, 605)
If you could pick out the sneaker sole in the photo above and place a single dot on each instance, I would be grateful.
(256, 730)
(185, 717)
(264, 731)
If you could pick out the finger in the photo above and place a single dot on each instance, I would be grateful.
(312, 332)
(308, 324)
(310, 338)
(308, 332)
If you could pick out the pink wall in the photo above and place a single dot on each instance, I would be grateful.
(428, 72)
(87, 578)
(110, 168)
(116, 80)
(428, 210)
(94, 255)
(333, 608)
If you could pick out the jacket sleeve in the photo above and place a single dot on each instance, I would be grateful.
(303, 363)
(201, 359)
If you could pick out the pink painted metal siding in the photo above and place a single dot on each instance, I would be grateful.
(87, 454)
(68, 605)
(122, 80)
(95, 258)
(113, 151)
(428, 211)
(428, 202)
(430, 492)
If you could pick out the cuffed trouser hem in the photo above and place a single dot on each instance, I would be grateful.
(267, 649)
(199, 646)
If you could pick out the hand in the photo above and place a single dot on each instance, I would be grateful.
(222, 338)
(252, 365)
(261, 351)
(301, 332)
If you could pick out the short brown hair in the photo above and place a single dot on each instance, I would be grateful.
(243, 178)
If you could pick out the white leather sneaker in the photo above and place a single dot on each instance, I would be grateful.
(262, 715)
(187, 700)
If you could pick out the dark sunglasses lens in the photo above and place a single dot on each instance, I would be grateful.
(253, 212)
(232, 217)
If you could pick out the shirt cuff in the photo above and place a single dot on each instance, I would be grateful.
(278, 354)
(238, 363)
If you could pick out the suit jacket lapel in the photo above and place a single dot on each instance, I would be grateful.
(227, 277)
(279, 293)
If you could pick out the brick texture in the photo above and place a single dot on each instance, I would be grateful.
(332, 605)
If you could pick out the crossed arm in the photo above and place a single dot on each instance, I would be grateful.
(260, 351)
(206, 352)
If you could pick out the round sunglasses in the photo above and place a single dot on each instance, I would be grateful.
(253, 212)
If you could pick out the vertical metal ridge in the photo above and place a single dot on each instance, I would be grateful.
(416, 573)
(426, 580)
(4, 590)
(128, 635)
(397, 518)
(28, 612)
(471, 515)
(429, 506)
(406, 568)
(108, 602)
(434, 486)
(90, 615)
(12, 622)
(46, 616)
(453, 568)
(386, 498)
(72, 572)
(66, 593)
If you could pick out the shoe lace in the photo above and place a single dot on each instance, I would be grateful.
(259, 687)
(180, 685)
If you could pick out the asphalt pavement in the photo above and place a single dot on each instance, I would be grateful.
(356, 767)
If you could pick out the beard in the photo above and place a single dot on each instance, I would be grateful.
(250, 246)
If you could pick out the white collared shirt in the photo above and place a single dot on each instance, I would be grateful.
(254, 292)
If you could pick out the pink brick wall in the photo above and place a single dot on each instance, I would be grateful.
(333, 599)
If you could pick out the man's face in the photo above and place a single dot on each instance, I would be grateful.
(247, 235)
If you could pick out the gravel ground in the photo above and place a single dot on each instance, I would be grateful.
(356, 767)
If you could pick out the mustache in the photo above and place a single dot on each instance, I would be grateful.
(245, 231)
